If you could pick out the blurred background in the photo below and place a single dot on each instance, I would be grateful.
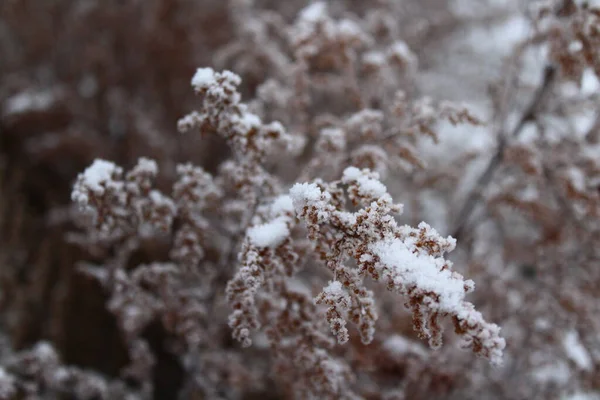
(86, 79)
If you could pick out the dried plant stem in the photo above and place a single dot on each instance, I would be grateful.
(485, 178)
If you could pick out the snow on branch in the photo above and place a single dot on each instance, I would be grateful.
(222, 112)
(407, 260)
(119, 205)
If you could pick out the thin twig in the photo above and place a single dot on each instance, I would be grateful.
(485, 178)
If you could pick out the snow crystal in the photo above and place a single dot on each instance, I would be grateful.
(576, 352)
(271, 234)
(203, 78)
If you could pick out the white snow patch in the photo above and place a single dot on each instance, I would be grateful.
(367, 186)
(270, 234)
(147, 165)
(576, 351)
(589, 82)
(100, 172)
(203, 78)
(422, 271)
(282, 205)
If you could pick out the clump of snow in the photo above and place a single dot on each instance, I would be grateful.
(147, 165)
(576, 351)
(282, 205)
(270, 234)
(187, 122)
(305, 192)
(247, 121)
(334, 287)
(335, 290)
(368, 186)
(99, 172)
(310, 195)
(94, 178)
(203, 78)
(422, 271)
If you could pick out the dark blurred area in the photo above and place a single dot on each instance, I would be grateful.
(88, 79)
(78, 80)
